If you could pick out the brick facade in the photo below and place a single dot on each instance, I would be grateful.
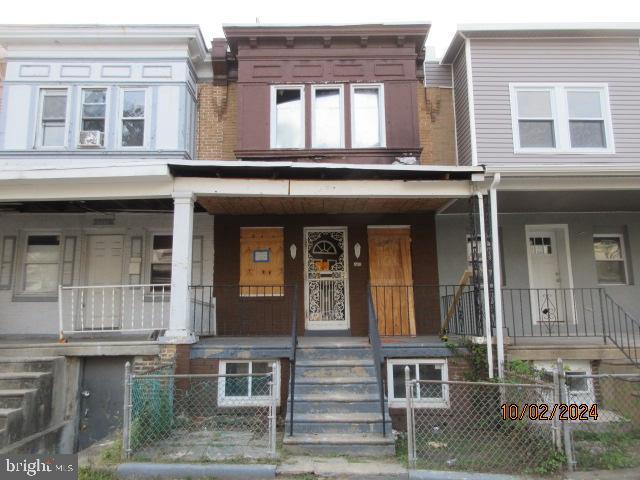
(437, 126)
(217, 111)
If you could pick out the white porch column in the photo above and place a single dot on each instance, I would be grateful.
(180, 330)
(485, 284)
(497, 273)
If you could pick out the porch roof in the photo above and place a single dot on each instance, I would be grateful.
(318, 171)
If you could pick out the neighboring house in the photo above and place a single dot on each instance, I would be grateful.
(291, 195)
(551, 112)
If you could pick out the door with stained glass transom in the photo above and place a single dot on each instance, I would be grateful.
(326, 278)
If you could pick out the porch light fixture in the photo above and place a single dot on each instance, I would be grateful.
(293, 250)
(356, 250)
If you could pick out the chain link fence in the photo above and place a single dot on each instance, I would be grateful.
(566, 421)
(199, 417)
(471, 430)
(603, 420)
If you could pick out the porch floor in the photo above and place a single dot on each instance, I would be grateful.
(279, 347)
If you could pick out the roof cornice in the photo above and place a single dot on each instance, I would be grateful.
(131, 34)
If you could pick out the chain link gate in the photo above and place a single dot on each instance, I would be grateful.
(472, 429)
(199, 417)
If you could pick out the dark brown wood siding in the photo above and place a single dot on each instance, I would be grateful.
(424, 258)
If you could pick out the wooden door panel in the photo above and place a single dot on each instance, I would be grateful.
(391, 277)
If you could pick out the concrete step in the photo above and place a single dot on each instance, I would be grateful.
(351, 423)
(27, 364)
(330, 352)
(354, 362)
(14, 398)
(340, 406)
(19, 380)
(340, 443)
(340, 371)
(11, 420)
(336, 386)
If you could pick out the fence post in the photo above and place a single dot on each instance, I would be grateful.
(61, 313)
(557, 434)
(272, 411)
(564, 398)
(411, 454)
(126, 413)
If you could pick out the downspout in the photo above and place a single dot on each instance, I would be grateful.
(497, 272)
(485, 284)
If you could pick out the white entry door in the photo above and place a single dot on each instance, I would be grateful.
(551, 300)
(326, 278)
(102, 306)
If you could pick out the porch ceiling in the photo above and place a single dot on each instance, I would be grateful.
(302, 206)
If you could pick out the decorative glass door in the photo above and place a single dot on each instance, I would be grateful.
(326, 278)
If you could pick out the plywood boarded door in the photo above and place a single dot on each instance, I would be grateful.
(262, 261)
(391, 280)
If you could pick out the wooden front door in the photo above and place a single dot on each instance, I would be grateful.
(103, 306)
(391, 279)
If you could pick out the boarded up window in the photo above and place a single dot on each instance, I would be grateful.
(261, 261)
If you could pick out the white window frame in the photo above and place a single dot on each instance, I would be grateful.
(402, 402)
(622, 251)
(250, 401)
(107, 113)
(146, 118)
(560, 112)
(40, 130)
(20, 290)
(329, 86)
(272, 116)
(381, 109)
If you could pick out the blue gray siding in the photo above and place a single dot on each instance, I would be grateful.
(437, 75)
(498, 62)
(461, 98)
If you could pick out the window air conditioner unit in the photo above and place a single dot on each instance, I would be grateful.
(90, 138)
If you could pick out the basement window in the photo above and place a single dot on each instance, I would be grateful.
(433, 395)
(241, 388)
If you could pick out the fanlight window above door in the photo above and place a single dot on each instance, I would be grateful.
(324, 247)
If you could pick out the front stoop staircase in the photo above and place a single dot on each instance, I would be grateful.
(337, 403)
(26, 397)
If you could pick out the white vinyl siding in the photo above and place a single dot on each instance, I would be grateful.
(550, 61)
